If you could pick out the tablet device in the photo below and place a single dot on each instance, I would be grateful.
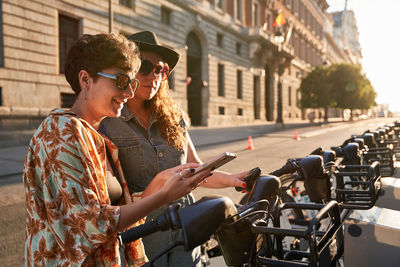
(216, 162)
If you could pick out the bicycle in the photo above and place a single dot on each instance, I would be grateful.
(242, 230)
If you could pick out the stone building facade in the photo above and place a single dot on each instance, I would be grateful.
(228, 74)
(346, 34)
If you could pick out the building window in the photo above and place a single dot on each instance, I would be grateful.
(313, 58)
(1, 37)
(239, 82)
(219, 3)
(67, 100)
(220, 39)
(165, 16)
(68, 33)
(302, 50)
(238, 10)
(290, 95)
(307, 55)
(221, 83)
(301, 11)
(307, 19)
(171, 81)
(255, 15)
(296, 7)
(127, 3)
(221, 110)
(320, 32)
(257, 100)
(238, 48)
(240, 111)
(296, 40)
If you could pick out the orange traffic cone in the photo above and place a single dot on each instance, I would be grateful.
(250, 143)
(296, 135)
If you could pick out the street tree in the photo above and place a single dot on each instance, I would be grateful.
(342, 86)
(315, 90)
(367, 94)
(349, 87)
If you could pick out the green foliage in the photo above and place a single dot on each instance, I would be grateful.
(338, 85)
(315, 91)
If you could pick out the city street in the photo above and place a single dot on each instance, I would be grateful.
(267, 80)
(272, 149)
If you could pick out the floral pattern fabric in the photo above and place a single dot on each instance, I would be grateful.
(69, 218)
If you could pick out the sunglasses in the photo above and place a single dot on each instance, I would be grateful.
(160, 70)
(122, 80)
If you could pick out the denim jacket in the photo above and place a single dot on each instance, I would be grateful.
(142, 152)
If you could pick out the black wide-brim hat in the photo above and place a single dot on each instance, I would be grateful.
(148, 41)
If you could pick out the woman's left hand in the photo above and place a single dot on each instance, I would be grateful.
(222, 179)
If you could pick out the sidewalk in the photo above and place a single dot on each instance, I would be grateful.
(12, 157)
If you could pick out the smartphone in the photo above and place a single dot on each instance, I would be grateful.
(216, 162)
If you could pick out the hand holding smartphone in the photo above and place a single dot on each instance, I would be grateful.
(250, 179)
(216, 162)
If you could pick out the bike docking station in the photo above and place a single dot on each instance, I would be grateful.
(338, 207)
(368, 228)
(376, 231)
(389, 197)
(372, 238)
(371, 230)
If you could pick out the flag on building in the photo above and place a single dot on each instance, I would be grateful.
(279, 21)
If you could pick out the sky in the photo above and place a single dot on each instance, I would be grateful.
(378, 25)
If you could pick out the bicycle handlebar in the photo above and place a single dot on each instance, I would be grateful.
(165, 221)
(140, 231)
(290, 167)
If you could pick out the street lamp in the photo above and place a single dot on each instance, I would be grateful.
(279, 39)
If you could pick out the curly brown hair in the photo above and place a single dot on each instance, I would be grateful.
(95, 53)
(169, 117)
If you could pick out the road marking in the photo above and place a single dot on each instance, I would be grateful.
(322, 131)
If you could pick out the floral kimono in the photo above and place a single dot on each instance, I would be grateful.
(69, 218)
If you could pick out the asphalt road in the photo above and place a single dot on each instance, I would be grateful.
(271, 152)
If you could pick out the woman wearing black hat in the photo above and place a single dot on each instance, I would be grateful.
(151, 135)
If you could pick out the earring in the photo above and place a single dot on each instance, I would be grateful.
(86, 93)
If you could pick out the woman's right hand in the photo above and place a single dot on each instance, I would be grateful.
(165, 175)
(182, 180)
(167, 186)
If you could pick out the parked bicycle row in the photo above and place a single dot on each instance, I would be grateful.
(293, 216)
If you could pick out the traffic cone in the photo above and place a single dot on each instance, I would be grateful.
(250, 143)
(296, 135)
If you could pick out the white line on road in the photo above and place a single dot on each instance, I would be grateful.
(322, 131)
